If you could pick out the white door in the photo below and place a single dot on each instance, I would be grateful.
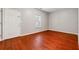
(0, 24)
(11, 23)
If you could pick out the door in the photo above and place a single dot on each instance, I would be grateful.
(0, 24)
(11, 23)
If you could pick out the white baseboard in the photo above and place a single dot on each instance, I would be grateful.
(64, 31)
(32, 33)
(23, 35)
(78, 39)
(37, 32)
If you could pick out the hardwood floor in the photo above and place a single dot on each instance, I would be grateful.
(47, 40)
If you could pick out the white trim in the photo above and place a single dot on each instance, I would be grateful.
(64, 32)
(24, 34)
(32, 33)
(39, 31)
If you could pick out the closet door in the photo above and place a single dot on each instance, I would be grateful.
(11, 23)
(0, 24)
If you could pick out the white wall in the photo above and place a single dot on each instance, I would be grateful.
(78, 26)
(29, 19)
(0, 23)
(65, 20)
(62, 20)
(11, 23)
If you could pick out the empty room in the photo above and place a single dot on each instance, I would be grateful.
(38, 28)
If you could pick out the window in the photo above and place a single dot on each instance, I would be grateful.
(38, 21)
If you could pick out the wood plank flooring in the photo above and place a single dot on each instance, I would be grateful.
(47, 40)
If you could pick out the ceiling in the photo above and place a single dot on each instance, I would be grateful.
(49, 10)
